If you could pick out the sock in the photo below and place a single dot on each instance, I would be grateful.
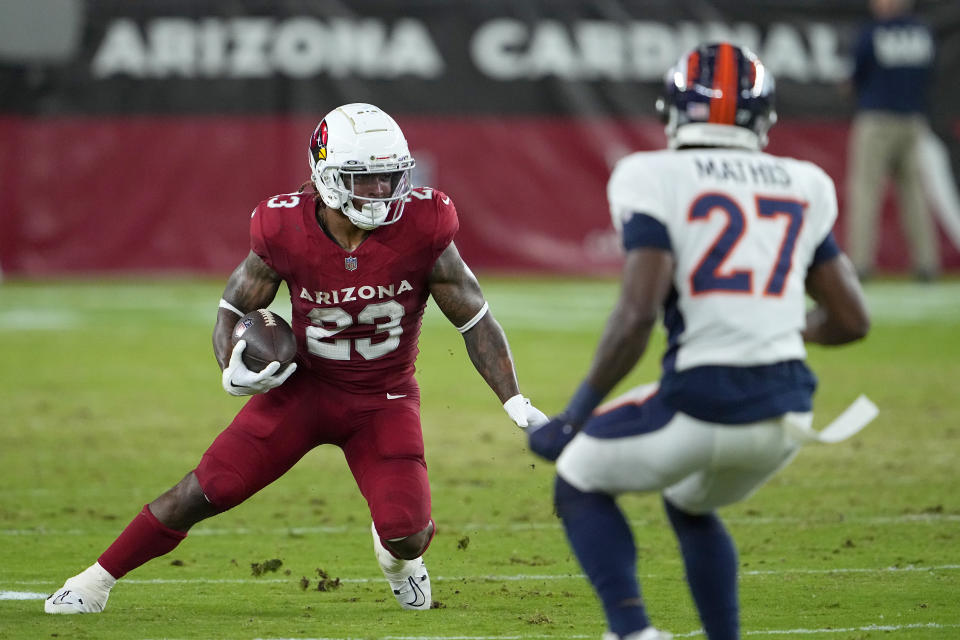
(710, 558)
(144, 539)
(603, 543)
(395, 569)
(95, 576)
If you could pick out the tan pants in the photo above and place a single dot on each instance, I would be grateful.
(884, 145)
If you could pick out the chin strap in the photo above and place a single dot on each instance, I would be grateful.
(370, 216)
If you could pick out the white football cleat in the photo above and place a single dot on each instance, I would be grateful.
(650, 633)
(86, 592)
(414, 592)
(71, 598)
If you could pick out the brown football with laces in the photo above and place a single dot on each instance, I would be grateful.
(269, 337)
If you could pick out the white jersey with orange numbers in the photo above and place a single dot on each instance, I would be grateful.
(743, 227)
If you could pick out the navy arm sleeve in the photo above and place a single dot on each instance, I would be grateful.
(643, 230)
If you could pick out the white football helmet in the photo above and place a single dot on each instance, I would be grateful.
(360, 138)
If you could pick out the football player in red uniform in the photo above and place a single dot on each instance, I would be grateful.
(360, 252)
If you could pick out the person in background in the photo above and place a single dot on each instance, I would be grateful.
(728, 241)
(360, 252)
(893, 62)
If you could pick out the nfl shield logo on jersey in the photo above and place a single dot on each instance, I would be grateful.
(350, 263)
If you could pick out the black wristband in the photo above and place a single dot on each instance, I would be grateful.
(584, 401)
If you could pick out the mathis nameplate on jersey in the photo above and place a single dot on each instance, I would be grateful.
(268, 336)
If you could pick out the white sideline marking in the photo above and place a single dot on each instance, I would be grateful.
(571, 306)
(202, 530)
(511, 578)
(909, 567)
(869, 627)
(37, 320)
(22, 595)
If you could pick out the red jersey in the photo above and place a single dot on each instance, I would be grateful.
(356, 314)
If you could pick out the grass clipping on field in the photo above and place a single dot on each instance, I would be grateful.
(267, 566)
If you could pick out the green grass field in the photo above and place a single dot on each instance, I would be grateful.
(110, 394)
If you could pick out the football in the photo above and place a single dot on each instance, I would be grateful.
(269, 337)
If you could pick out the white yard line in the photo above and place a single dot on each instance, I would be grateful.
(203, 530)
(521, 577)
(933, 626)
(22, 595)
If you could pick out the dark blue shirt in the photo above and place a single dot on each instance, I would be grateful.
(893, 60)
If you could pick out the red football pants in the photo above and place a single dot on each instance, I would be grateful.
(381, 439)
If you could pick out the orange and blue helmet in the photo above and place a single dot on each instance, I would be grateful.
(718, 95)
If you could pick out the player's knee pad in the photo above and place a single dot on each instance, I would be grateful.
(569, 501)
(396, 523)
(224, 488)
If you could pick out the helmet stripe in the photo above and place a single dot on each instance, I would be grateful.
(693, 69)
(723, 106)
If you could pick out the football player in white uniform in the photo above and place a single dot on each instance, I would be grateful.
(727, 241)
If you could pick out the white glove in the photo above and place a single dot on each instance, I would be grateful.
(238, 380)
(523, 413)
